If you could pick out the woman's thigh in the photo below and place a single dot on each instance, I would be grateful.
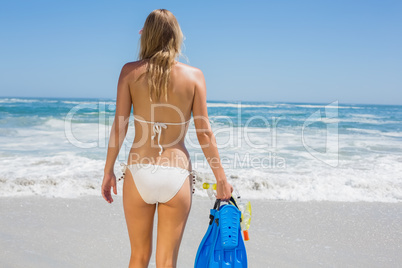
(172, 218)
(139, 217)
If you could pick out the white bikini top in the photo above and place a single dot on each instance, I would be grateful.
(157, 129)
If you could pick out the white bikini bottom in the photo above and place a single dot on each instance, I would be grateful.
(156, 183)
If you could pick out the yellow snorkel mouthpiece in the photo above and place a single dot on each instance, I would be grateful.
(207, 185)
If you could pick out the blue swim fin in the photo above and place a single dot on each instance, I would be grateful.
(228, 249)
(204, 249)
(222, 245)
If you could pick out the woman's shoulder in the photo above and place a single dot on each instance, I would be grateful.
(135, 68)
(188, 67)
(133, 64)
(192, 72)
(140, 63)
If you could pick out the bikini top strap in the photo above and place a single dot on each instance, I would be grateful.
(181, 123)
(150, 122)
(135, 118)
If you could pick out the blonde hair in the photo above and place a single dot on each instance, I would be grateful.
(161, 41)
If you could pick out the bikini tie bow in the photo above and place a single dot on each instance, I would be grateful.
(157, 129)
(123, 170)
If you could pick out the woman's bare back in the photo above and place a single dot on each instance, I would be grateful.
(177, 109)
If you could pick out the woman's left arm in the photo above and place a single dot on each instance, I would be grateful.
(117, 133)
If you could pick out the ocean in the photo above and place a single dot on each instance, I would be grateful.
(56, 147)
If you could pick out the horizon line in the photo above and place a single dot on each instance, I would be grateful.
(215, 100)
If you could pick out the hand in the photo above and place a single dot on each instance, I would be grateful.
(109, 181)
(223, 190)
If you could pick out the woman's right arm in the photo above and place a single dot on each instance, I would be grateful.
(206, 137)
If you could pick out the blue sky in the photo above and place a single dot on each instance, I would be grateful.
(289, 51)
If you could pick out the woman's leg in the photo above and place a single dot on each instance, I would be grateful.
(139, 218)
(172, 218)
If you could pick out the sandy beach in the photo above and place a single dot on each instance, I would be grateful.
(88, 232)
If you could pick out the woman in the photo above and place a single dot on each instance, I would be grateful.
(163, 93)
